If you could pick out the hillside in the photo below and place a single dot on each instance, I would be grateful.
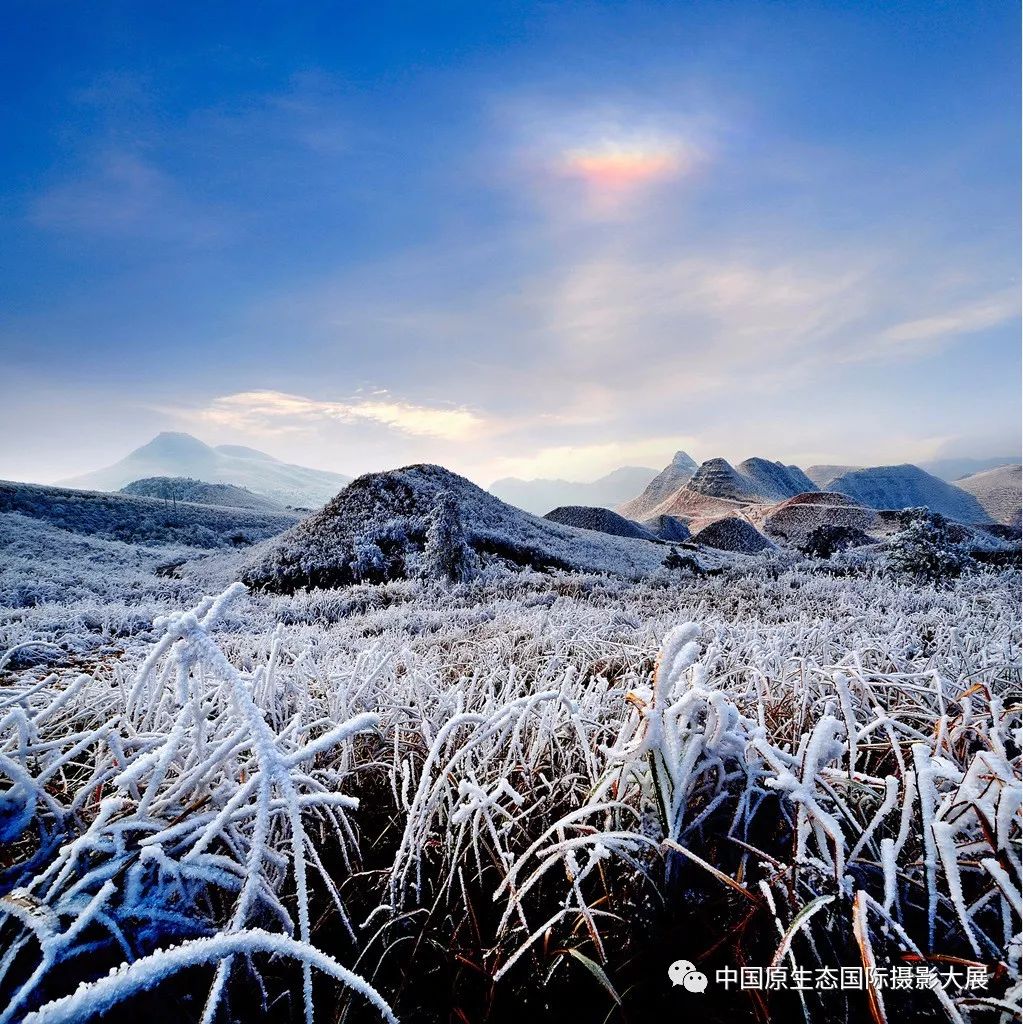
(601, 520)
(670, 479)
(774, 481)
(542, 495)
(732, 533)
(199, 492)
(141, 520)
(795, 519)
(908, 486)
(181, 455)
(378, 528)
(998, 491)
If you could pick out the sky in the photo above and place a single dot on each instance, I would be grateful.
(529, 239)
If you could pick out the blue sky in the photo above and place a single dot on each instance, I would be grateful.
(514, 238)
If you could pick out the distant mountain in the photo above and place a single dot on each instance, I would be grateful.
(670, 479)
(823, 475)
(180, 488)
(998, 491)
(540, 496)
(953, 470)
(908, 486)
(379, 527)
(949, 470)
(718, 488)
(181, 455)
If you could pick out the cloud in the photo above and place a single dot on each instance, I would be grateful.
(966, 319)
(276, 412)
(715, 312)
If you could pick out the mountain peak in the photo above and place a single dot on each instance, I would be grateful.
(718, 478)
(670, 479)
(173, 442)
(175, 454)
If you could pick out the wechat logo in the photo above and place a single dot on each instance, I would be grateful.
(684, 973)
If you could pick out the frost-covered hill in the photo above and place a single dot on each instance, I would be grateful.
(717, 478)
(540, 496)
(732, 533)
(795, 519)
(179, 488)
(670, 479)
(998, 491)
(181, 455)
(908, 486)
(601, 520)
(141, 520)
(774, 481)
(377, 528)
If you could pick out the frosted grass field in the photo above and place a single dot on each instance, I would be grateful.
(421, 802)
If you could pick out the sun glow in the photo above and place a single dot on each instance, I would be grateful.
(621, 168)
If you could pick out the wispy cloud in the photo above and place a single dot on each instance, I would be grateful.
(278, 412)
(979, 315)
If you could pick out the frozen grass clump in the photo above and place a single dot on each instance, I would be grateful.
(515, 792)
